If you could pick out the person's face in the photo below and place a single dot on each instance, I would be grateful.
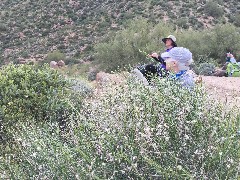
(168, 43)
(171, 64)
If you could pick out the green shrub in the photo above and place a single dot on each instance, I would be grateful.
(35, 93)
(80, 88)
(214, 43)
(183, 23)
(212, 9)
(3, 27)
(220, 2)
(55, 56)
(92, 75)
(236, 20)
(71, 61)
(205, 69)
(155, 2)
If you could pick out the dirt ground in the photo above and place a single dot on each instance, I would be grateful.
(225, 89)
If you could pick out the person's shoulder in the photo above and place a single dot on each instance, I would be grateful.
(187, 80)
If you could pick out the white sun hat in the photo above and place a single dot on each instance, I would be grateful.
(173, 38)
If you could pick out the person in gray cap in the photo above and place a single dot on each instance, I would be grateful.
(177, 62)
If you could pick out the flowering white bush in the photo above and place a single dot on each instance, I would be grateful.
(134, 132)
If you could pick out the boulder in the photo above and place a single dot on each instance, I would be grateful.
(219, 73)
(53, 64)
(61, 63)
(106, 80)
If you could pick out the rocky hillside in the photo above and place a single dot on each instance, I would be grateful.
(31, 29)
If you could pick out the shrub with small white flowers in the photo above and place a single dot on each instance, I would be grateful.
(135, 132)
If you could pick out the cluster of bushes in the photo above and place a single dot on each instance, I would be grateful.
(212, 9)
(133, 132)
(122, 50)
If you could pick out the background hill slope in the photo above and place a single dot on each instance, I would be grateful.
(34, 28)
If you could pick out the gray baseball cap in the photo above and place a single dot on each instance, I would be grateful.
(180, 54)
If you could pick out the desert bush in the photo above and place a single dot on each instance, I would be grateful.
(155, 2)
(212, 9)
(236, 20)
(91, 75)
(213, 43)
(80, 87)
(205, 69)
(3, 27)
(123, 48)
(71, 61)
(33, 92)
(183, 23)
(225, 38)
(220, 2)
(55, 56)
(164, 132)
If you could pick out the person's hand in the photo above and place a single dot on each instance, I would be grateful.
(154, 55)
(230, 55)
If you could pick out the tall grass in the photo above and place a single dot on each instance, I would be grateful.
(133, 132)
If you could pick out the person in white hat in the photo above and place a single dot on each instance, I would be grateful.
(159, 70)
(177, 62)
(170, 42)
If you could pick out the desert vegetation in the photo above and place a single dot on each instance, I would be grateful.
(53, 125)
(131, 132)
(31, 29)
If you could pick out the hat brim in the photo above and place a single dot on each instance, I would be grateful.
(165, 55)
(173, 43)
(165, 39)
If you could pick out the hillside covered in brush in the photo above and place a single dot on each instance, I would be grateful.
(32, 29)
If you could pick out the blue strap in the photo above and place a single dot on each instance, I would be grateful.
(179, 74)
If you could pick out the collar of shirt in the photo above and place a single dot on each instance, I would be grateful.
(180, 73)
(169, 49)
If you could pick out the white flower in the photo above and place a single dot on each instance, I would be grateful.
(167, 138)
(34, 154)
(186, 136)
(231, 160)
(179, 167)
(77, 176)
(134, 157)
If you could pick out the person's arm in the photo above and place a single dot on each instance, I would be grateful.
(157, 57)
